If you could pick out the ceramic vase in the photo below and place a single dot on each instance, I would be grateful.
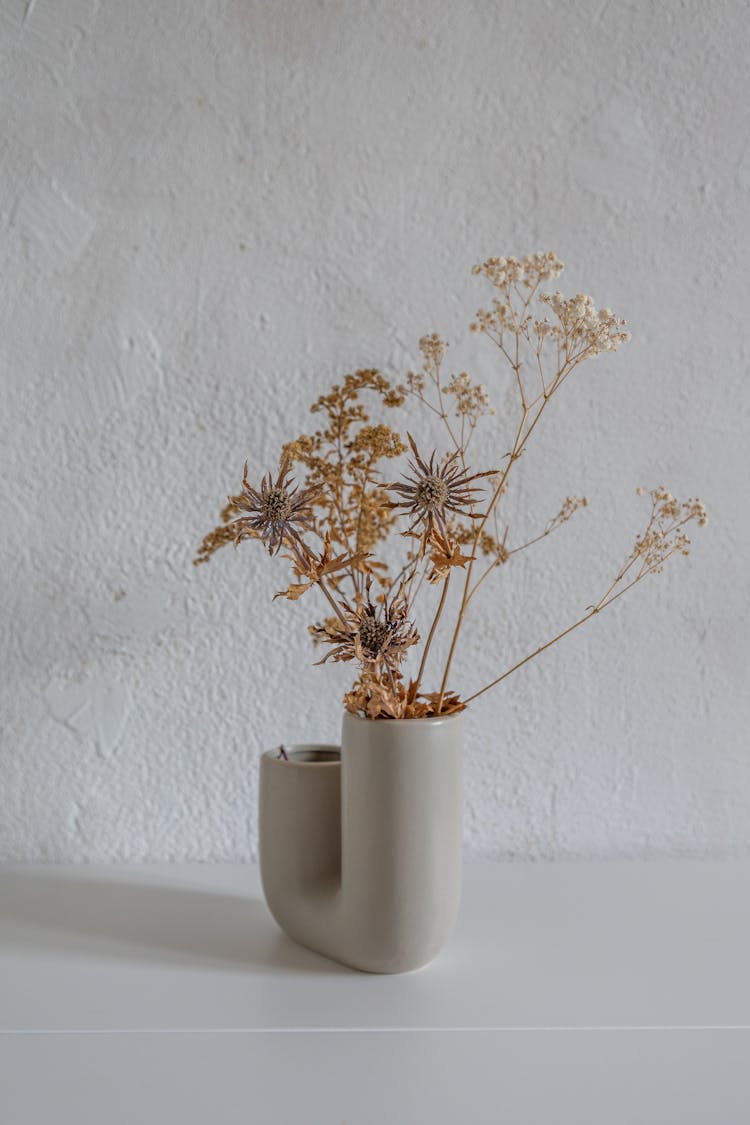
(360, 848)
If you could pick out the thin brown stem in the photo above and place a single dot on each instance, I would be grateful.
(606, 600)
(433, 627)
(532, 655)
(513, 456)
(332, 603)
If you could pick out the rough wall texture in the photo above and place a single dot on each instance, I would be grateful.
(209, 209)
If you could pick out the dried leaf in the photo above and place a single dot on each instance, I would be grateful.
(295, 591)
(445, 554)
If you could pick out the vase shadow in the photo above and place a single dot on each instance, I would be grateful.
(82, 915)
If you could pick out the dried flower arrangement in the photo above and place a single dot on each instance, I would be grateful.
(448, 515)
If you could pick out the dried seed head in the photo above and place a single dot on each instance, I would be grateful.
(277, 513)
(434, 490)
(378, 636)
(276, 505)
(432, 493)
(373, 636)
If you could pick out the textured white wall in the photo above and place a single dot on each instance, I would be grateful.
(207, 210)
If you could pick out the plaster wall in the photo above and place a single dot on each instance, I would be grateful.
(208, 211)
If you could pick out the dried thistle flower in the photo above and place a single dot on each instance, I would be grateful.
(278, 512)
(435, 489)
(378, 636)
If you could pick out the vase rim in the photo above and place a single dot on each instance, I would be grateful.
(302, 754)
(432, 720)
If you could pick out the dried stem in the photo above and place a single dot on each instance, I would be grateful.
(662, 539)
(433, 628)
(332, 602)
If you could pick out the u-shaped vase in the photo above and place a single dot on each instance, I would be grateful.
(360, 848)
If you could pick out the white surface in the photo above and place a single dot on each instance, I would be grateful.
(207, 211)
(407, 1078)
(656, 945)
(573, 994)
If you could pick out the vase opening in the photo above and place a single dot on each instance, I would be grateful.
(309, 755)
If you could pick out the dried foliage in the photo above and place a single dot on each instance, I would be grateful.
(330, 526)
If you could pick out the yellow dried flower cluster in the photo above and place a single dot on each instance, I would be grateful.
(220, 536)
(330, 525)
(342, 462)
(377, 442)
(486, 544)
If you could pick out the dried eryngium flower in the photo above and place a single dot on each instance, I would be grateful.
(435, 489)
(277, 512)
(378, 636)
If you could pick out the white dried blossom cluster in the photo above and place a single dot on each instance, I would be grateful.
(433, 348)
(570, 506)
(582, 326)
(543, 329)
(528, 271)
(667, 507)
(499, 318)
(665, 535)
(472, 399)
(416, 382)
(697, 512)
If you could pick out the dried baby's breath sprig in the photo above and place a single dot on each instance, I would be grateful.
(472, 399)
(663, 537)
(583, 328)
(541, 355)
(509, 273)
(500, 553)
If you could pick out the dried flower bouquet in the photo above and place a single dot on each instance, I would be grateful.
(330, 528)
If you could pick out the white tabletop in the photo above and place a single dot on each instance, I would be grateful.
(570, 992)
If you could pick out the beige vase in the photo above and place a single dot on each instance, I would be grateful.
(360, 850)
